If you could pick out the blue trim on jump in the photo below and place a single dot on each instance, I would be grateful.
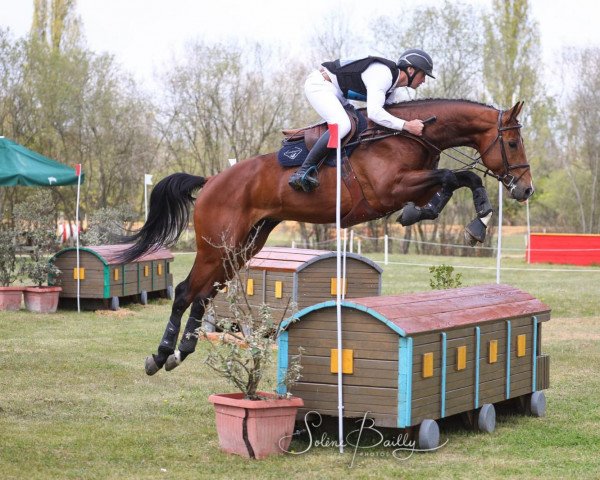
(347, 304)
(282, 361)
(443, 375)
(477, 352)
(508, 354)
(534, 359)
(405, 363)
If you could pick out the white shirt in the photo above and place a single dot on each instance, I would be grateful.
(378, 80)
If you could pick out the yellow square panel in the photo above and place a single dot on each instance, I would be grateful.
(116, 274)
(278, 289)
(493, 351)
(250, 286)
(79, 273)
(521, 345)
(461, 357)
(334, 286)
(146, 270)
(428, 365)
(159, 269)
(347, 360)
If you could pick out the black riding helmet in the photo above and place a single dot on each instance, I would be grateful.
(418, 59)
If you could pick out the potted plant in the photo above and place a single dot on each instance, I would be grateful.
(35, 218)
(251, 423)
(10, 296)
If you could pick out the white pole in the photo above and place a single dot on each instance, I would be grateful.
(145, 201)
(528, 234)
(344, 264)
(338, 299)
(499, 253)
(351, 249)
(77, 239)
(293, 243)
(147, 181)
(358, 246)
(385, 249)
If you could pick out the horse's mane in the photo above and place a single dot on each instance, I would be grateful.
(427, 101)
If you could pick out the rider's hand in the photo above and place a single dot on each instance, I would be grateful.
(415, 127)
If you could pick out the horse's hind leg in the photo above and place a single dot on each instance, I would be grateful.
(255, 240)
(167, 344)
(189, 339)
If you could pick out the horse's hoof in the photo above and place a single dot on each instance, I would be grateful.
(475, 232)
(470, 240)
(173, 361)
(150, 366)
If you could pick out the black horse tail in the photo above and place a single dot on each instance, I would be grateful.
(168, 216)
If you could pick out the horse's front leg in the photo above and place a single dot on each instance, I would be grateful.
(448, 181)
(476, 230)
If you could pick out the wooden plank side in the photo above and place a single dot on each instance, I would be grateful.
(379, 420)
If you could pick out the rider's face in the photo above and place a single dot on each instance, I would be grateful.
(418, 79)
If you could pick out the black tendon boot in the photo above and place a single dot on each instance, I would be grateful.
(411, 213)
(305, 178)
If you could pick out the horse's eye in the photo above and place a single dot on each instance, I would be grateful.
(512, 144)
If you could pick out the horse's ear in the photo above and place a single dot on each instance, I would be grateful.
(515, 111)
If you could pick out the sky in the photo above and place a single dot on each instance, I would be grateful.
(144, 35)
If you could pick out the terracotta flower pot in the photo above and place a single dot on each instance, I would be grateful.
(254, 428)
(11, 298)
(42, 299)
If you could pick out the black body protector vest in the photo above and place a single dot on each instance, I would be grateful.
(348, 73)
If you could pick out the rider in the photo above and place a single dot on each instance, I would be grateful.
(371, 79)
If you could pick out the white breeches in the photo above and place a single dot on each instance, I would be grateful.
(328, 101)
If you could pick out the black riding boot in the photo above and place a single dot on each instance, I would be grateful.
(305, 178)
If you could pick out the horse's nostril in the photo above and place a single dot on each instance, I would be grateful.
(528, 192)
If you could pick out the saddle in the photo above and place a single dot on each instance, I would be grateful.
(313, 132)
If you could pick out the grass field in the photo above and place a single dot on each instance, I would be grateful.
(75, 402)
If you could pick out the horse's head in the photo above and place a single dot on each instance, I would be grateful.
(503, 152)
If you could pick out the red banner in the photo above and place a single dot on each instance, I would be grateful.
(570, 249)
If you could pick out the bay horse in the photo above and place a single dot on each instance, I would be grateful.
(240, 206)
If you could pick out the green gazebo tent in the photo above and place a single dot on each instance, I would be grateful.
(21, 166)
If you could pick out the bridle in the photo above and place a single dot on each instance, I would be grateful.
(507, 178)
(476, 163)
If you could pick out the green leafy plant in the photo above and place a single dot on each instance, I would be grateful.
(8, 255)
(35, 220)
(106, 225)
(442, 277)
(243, 352)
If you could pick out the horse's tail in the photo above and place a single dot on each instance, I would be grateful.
(170, 204)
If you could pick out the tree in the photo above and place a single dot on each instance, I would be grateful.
(56, 23)
(224, 101)
(573, 193)
(453, 36)
(512, 72)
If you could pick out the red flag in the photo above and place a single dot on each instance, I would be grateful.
(78, 169)
(333, 135)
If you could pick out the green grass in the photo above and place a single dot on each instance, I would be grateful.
(75, 402)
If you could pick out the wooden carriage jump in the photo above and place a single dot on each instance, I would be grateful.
(103, 277)
(410, 360)
(278, 275)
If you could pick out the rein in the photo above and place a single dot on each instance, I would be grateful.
(476, 163)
